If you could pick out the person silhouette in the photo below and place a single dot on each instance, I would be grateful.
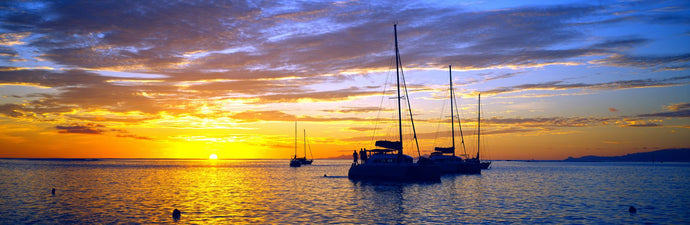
(354, 156)
(363, 155)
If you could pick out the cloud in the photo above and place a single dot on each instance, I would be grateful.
(357, 110)
(334, 95)
(613, 110)
(10, 39)
(134, 136)
(669, 62)
(275, 115)
(613, 85)
(677, 107)
(243, 38)
(11, 110)
(249, 41)
(8, 53)
(685, 113)
(363, 128)
(49, 78)
(551, 121)
(89, 128)
(679, 110)
(281, 52)
(95, 128)
(620, 44)
(504, 76)
(632, 122)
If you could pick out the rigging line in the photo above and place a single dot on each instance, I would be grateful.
(308, 146)
(409, 107)
(438, 125)
(383, 96)
(462, 138)
(483, 140)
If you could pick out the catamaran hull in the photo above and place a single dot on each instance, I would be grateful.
(402, 172)
(469, 168)
(459, 167)
(485, 165)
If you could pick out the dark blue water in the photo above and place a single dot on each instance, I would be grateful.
(270, 192)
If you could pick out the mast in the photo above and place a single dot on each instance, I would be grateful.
(305, 144)
(479, 121)
(409, 107)
(295, 139)
(452, 115)
(397, 73)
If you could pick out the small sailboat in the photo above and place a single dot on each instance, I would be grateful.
(389, 163)
(484, 164)
(445, 157)
(299, 161)
(295, 162)
(304, 160)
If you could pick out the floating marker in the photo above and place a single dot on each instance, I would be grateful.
(176, 214)
(632, 209)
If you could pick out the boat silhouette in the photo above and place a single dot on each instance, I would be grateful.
(445, 157)
(389, 163)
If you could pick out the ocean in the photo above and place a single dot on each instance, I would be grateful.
(128, 191)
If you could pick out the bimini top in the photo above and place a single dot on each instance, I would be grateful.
(445, 150)
(395, 145)
(436, 156)
(380, 158)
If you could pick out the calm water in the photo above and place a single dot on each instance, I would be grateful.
(270, 192)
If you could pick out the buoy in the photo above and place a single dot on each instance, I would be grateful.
(632, 209)
(176, 214)
(53, 191)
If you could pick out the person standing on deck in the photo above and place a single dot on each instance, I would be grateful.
(363, 155)
(354, 156)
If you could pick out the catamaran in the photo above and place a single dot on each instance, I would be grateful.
(445, 157)
(389, 163)
(304, 160)
(484, 164)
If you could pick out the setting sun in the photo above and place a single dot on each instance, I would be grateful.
(213, 156)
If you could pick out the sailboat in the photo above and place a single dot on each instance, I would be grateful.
(294, 162)
(485, 164)
(445, 157)
(304, 160)
(389, 163)
(297, 162)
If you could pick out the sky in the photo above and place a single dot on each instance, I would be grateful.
(186, 79)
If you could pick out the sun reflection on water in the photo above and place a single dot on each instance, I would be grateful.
(270, 192)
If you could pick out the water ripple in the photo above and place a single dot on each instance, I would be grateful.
(269, 192)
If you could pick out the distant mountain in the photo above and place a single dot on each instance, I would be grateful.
(664, 155)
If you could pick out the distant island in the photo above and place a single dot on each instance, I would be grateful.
(664, 155)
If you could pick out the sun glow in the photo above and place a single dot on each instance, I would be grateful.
(213, 156)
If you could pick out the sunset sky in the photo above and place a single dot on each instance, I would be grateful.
(150, 79)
